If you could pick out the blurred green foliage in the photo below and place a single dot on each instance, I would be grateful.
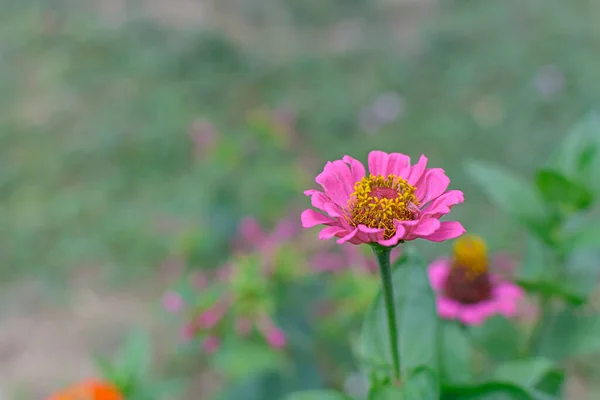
(94, 113)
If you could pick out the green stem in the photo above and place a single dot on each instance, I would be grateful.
(383, 258)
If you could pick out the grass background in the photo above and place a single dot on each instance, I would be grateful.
(96, 100)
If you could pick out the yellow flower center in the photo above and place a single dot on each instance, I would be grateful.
(470, 254)
(377, 201)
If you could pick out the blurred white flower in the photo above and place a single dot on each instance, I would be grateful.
(549, 81)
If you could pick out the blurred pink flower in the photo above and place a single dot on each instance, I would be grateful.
(211, 344)
(252, 237)
(172, 302)
(350, 258)
(466, 291)
(210, 318)
(276, 338)
(396, 202)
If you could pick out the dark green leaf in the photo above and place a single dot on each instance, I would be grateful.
(534, 375)
(559, 190)
(455, 353)
(485, 391)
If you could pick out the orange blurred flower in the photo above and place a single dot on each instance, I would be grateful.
(91, 389)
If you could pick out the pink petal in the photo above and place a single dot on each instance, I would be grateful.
(347, 237)
(400, 234)
(317, 199)
(312, 218)
(475, 314)
(370, 234)
(508, 290)
(424, 228)
(337, 182)
(432, 184)
(447, 308)
(443, 204)
(507, 307)
(438, 273)
(357, 168)
(378, 163)
(417, 170)
(331, 231)
(398, 164)
(448, 230)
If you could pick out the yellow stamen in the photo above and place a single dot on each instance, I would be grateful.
(377, 201)
(470, 253)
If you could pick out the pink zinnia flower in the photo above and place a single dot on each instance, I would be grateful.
(396, 202)
(466, 291)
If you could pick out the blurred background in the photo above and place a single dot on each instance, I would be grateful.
(137, 134)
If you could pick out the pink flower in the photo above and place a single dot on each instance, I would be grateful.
(276, 338)
(211, 317)
(466, 291)
(211, 344)
(172, 302)
(396, 202)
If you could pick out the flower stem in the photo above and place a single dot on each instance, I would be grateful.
(383, 258)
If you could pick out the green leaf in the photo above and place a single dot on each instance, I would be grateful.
(498, 337)
(417, 323)
(239, 359)
(536, 375)
(585, 236)
(569, 335)
(136, 356)
(582, 268)
(317, 395)
(422, 384)
(485, 391)
(559, 190)
(509, 192)
(456, 352)
(577, 156)
(572, 281)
